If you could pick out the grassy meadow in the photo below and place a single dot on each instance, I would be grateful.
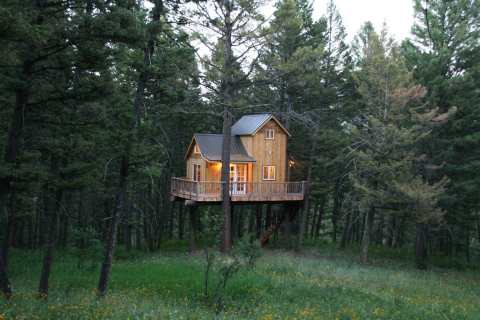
(320, 284)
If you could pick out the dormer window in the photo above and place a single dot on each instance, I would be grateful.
(196, 149)
(269, 134)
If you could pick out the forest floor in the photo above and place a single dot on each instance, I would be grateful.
(317, 285)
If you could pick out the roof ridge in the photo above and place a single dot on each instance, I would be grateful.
(208, 134)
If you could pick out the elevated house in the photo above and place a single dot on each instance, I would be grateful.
(258, 170)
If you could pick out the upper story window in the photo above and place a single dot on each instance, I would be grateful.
(269, 134)
(268, 172)
(196, 149)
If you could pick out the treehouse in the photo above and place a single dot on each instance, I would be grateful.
(258, 165)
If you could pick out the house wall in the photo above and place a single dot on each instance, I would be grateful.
(195, 158)
(264, 151)
(268, 152)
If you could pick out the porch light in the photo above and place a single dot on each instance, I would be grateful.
(291, 163)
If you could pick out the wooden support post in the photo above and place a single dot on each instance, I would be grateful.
(193, 228)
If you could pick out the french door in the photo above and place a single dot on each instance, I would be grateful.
(238, 178)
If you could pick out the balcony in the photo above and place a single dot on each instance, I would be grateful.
(210, 191)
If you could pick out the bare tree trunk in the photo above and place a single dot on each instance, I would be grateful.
(123, 180)
(258, 220)
(379, 233)
(421, 246)
(367, 230)
(227, 89)
(226, 244)
(181, 222)
(337, 204)
(306, 201)
(240, 222)
(268, 216)
(112, 234)
(251, 220)
(193, 228)
(321, 213)
(467, 243)
(50, 246)
(346, 231)
(4, 282)
(9, 232)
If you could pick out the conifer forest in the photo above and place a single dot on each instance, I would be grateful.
(100, 99)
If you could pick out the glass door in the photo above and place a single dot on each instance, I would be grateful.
(238, 178)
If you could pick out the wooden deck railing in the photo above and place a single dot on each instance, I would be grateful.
(239, 191)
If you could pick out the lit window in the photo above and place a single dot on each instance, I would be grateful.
(196, 149)
(268, 172)
(196, 172)
(269, 134)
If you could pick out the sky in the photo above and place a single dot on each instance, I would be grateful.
(398, 14)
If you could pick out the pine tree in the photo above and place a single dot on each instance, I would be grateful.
(387, 133)
(444, 54)
(237, 25)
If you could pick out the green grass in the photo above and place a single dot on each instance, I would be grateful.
(320, 285)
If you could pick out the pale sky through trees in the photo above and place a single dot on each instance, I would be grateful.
(398, 14)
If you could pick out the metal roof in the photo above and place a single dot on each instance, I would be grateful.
(250, 124)
(211, 148)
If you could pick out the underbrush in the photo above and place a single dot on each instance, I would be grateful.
(315, 285)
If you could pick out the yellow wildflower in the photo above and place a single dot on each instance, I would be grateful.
(379, 312)
(267, 317)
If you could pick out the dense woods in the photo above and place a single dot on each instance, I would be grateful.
(99, 101)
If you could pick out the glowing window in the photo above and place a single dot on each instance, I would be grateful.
(268, 172)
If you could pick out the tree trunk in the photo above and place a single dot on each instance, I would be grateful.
(421, 246)
(251, 220)
(226, 244)
(181, 222)
(346, 231)
(321, 213)
(10, 229)
(369, 216)
(306, 187)
(227, 89)
(467, 244)
(240, 222)
(127, 226)
(379, 233)
(337, 204)
(123, 179)
(50, 246)
(268, 216)
(112, 234)
(193, 228)
(258, 220)
(4, 282)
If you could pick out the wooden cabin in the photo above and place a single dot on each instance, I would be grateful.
(258, 168)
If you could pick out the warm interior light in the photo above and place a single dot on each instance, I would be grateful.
(291, 163)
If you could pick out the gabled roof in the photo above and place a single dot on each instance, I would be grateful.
(250, 124)
(211, 148)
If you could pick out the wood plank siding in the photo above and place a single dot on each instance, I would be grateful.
(268, 152)
(257, 146)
